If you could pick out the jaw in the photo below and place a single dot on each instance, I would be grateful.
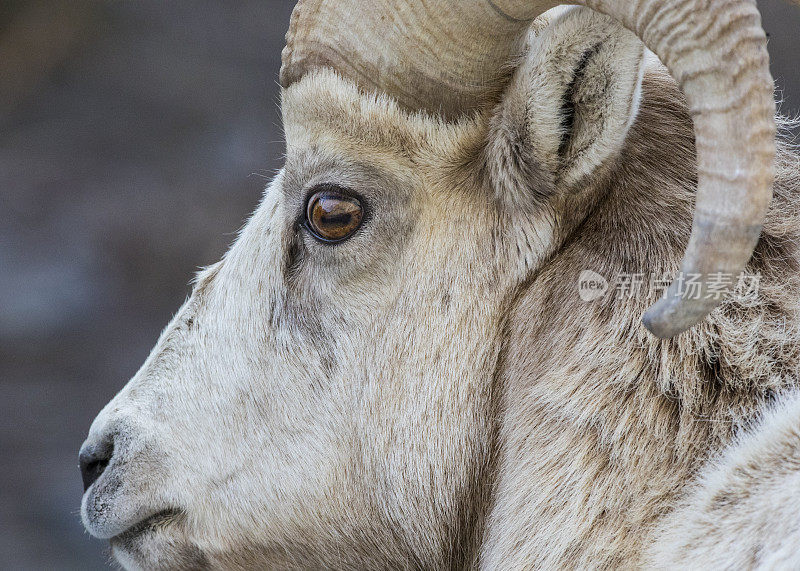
(160, 544)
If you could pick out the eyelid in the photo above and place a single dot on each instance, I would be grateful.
(333, 187)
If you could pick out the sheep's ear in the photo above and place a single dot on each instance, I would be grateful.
(573, 98)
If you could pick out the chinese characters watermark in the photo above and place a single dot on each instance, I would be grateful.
(743, 287)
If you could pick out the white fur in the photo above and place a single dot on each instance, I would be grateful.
(749, 494)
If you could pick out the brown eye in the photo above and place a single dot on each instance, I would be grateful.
(333, 216)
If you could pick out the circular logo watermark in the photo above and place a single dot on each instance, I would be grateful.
(591, 285)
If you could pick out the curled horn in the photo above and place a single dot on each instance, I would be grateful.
(447, 56)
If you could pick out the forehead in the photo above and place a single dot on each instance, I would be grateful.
(326, 115)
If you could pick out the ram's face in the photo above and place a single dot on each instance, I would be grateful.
(327, 382)
(325, 398)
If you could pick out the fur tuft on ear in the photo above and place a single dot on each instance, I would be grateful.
(569, 106)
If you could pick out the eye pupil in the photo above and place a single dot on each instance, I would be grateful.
(333, 216)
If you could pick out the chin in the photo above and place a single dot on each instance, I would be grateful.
(155, 549)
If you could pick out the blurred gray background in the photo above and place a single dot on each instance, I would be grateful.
(135, 137)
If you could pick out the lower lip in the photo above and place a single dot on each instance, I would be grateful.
(152, 523)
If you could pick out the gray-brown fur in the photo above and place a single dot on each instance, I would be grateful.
(603, 425)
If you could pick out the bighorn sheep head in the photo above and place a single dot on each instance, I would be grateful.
(447, 58)
(326, 397)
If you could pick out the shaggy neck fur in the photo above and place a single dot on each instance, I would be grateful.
(601, 425)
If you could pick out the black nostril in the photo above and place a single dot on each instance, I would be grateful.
(93, 461)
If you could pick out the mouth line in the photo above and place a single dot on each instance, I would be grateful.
(152, 523)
